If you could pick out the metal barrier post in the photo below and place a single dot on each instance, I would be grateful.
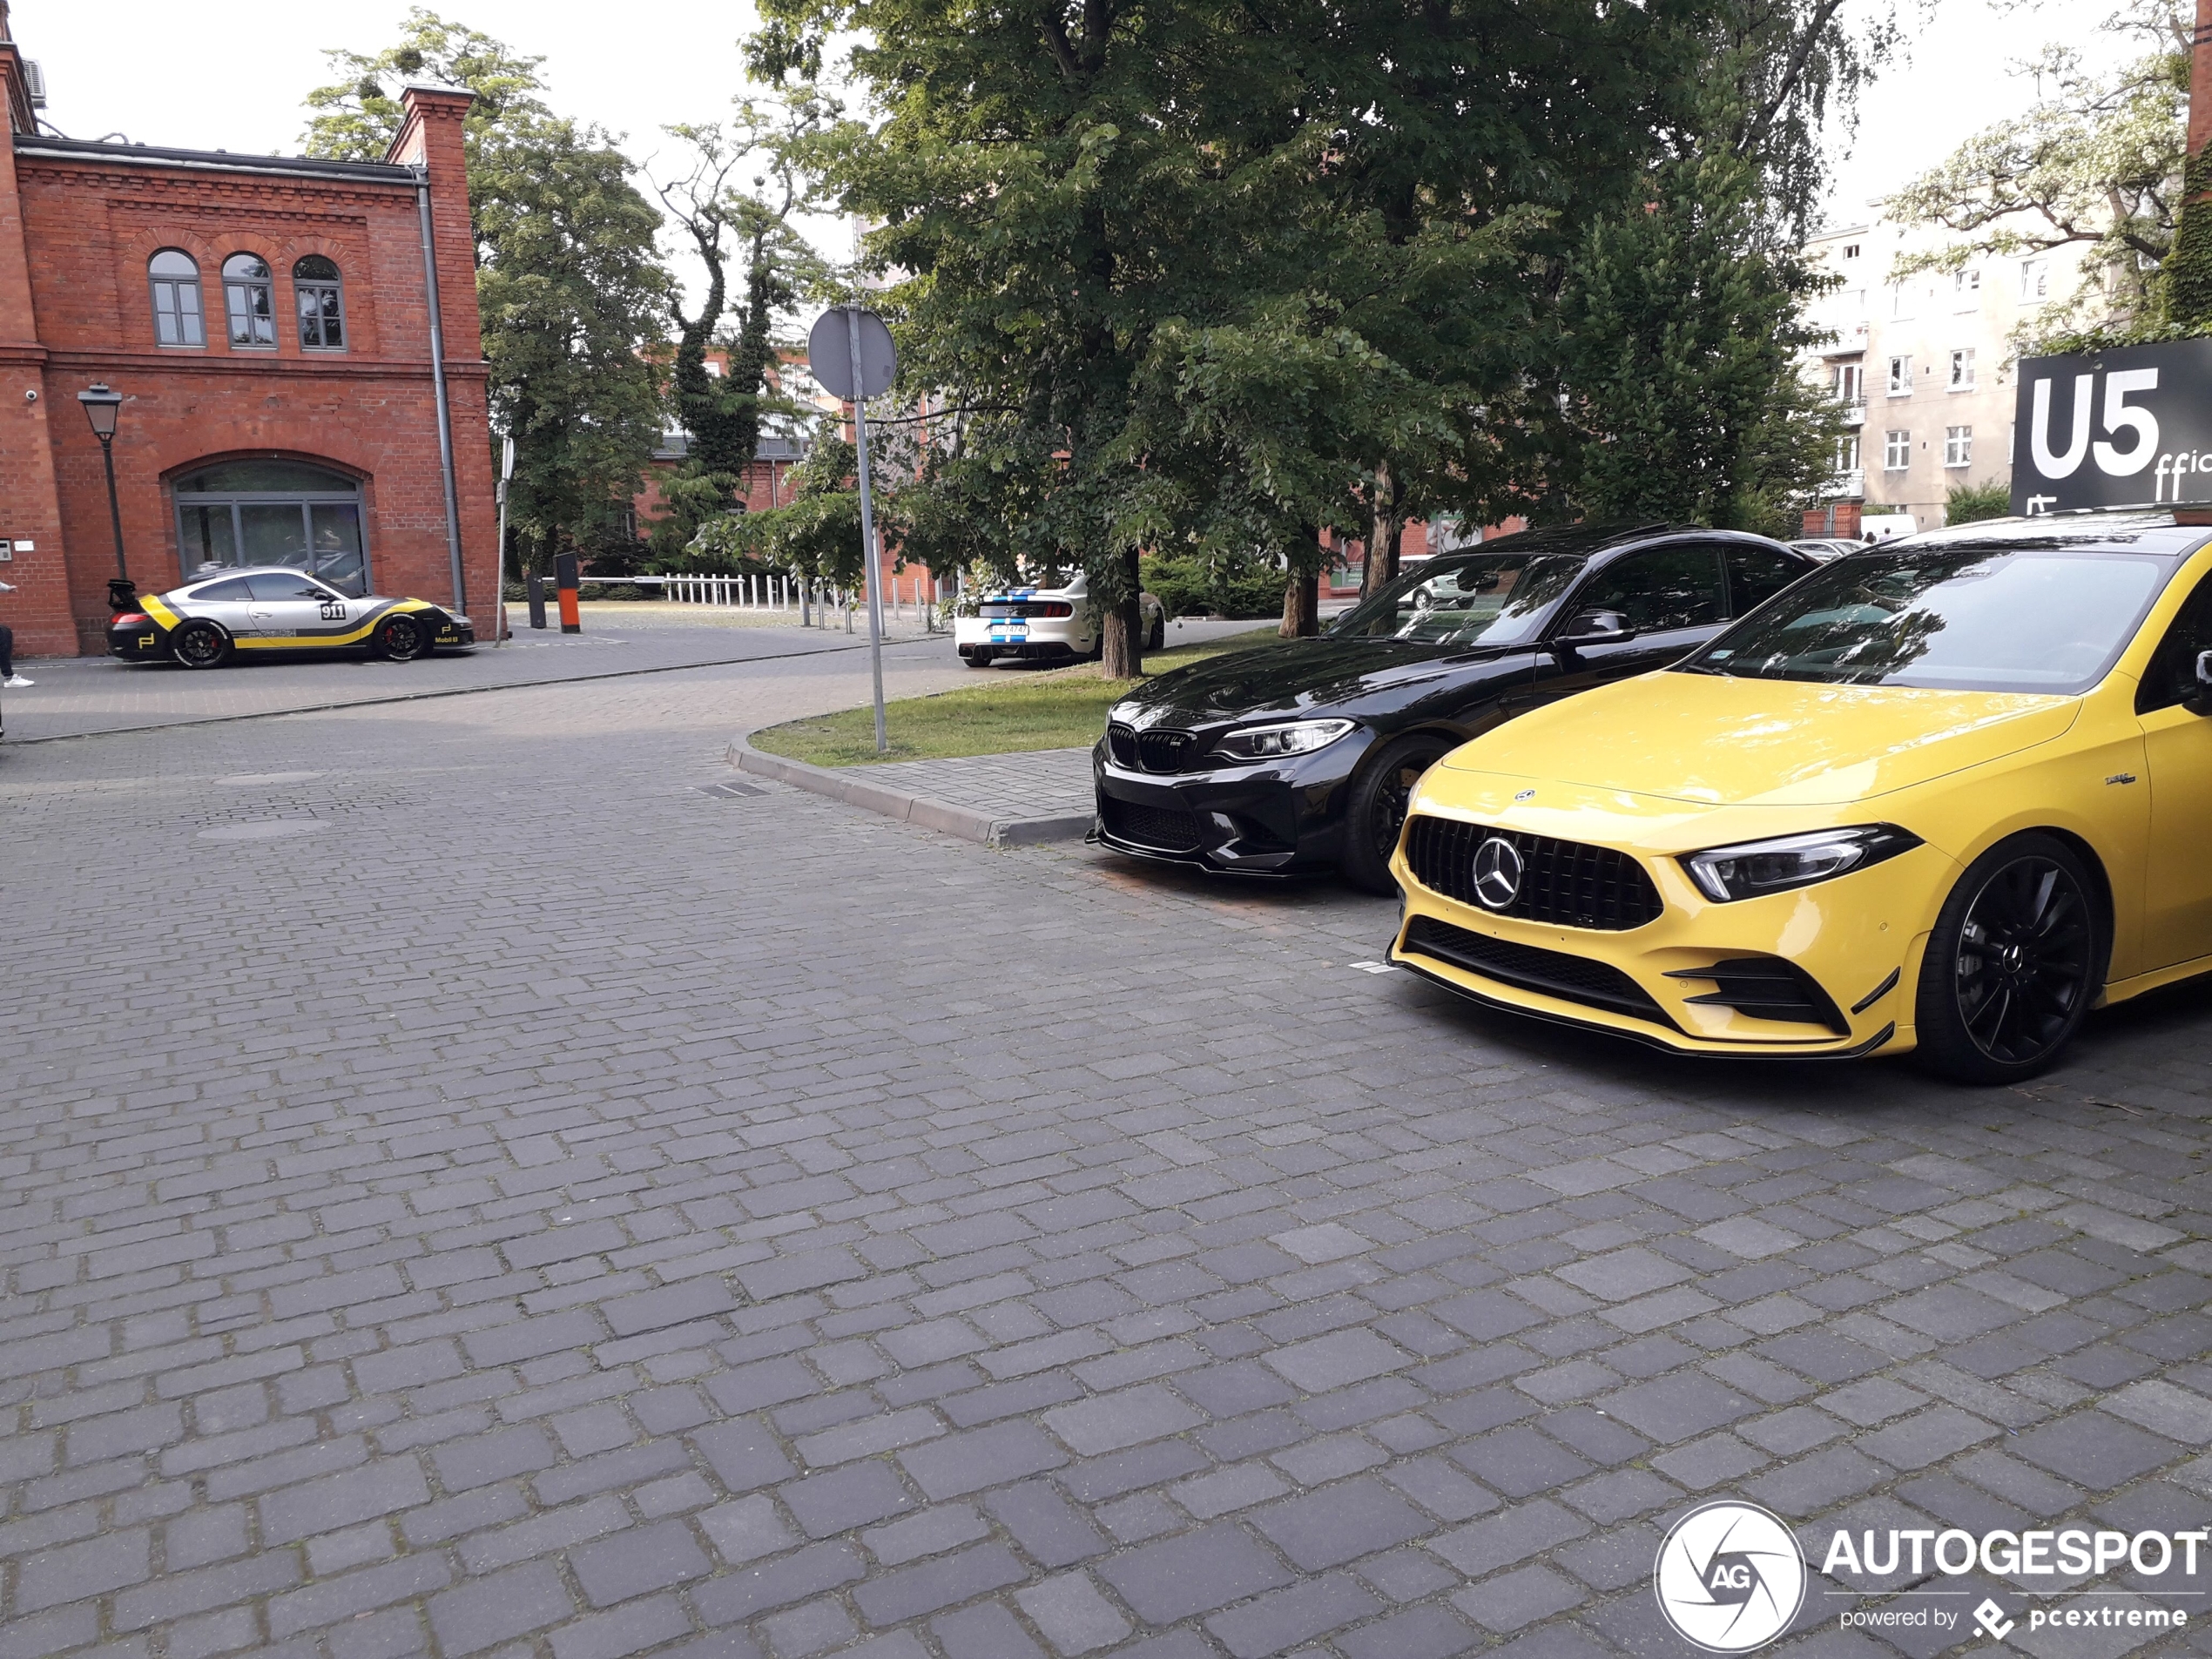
(534, 585)
(565, 573)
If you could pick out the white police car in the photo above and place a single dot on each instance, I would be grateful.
(1043, 625)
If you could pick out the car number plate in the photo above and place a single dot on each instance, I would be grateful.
(1015, 634)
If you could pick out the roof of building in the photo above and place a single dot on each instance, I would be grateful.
(143, 155)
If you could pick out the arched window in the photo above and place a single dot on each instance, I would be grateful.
(249, 296)
(321, 299)
(273, 512)
(177, 320)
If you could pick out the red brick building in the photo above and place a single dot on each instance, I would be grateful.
(268, 323)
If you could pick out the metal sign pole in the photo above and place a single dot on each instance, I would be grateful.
(869, 553)
(499, 557)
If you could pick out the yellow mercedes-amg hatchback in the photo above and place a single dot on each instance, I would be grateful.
(1947, 793)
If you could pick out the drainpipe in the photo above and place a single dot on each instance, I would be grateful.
(438, 376)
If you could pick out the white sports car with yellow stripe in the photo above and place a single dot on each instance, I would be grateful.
(272, 609)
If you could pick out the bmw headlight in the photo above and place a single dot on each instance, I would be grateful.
(1285, 738)
(1751, 869)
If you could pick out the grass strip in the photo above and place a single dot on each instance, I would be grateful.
(1014, 709)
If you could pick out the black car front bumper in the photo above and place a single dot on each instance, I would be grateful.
(1281, 818)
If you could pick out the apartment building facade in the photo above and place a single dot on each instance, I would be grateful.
(1923, 366)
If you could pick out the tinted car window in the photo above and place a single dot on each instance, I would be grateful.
(1756, 575)
(283, 584)
(1478, 599)
(1969, 617)
(234, 591)
(1667, 588)
(2172, 676)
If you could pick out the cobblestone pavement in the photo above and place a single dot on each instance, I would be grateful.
(466, 1191)
(1039, 783)
(72, 695)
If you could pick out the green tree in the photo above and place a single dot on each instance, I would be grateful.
(817, 533)
(1075, 199)
(747, 184)
(1681, 339)
(568, 282)
(2095, 163)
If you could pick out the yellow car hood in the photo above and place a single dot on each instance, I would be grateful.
(1721, 741)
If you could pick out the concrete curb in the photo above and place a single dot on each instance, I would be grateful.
(966, 822)
(422, 696)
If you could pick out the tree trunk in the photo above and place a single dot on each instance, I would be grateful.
(1122, 627)
(1380, 568)
(1302, 605)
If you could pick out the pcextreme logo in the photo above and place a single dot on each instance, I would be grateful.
(1730, 1577)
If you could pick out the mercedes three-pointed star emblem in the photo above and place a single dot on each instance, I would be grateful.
(1497, 873)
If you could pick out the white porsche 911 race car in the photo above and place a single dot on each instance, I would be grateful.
(1043, 625)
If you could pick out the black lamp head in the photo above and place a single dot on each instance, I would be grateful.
(101, 407)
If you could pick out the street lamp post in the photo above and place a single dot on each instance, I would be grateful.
(101, 408)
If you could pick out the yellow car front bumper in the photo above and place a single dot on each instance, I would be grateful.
(1828, 970)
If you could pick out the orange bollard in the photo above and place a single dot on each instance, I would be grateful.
(565, 573)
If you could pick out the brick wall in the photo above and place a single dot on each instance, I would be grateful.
(76, 229)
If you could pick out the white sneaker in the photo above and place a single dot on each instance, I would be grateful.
(17, 679)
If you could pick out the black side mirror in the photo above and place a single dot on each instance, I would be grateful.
(1598, 628)
(2199, 701)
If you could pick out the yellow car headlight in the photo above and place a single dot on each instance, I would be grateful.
(1751, 869)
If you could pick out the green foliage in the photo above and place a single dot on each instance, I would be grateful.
(2096, 163)
(568, 282)
(1684, 331)
(358, 114)
(818, 534)
(1971, 504)
(1209, 278)
(724, 415)
(1227, 585)
(2185, 279)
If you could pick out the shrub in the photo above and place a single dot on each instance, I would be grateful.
(1970, 504)
(1187, 585)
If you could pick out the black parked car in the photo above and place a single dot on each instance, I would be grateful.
(1304, 755)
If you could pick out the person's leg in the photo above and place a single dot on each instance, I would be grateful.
(7, 652)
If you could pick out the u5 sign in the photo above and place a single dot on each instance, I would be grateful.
(2130, 427)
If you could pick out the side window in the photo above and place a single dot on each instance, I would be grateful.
(320, 297)
(176, 317)
(234, 591)
(1665, 589)
(1756, 575)
(249, 297)
(283, 584)
(2172, 676)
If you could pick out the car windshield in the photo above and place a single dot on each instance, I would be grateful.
(1470, 599)
(1972, 617)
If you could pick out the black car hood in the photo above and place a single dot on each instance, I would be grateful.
(1296, 677)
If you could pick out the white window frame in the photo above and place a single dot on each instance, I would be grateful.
(1958, 445)
(1962, 369)
(1897, 449)
(1900, 382)
(2035, 279)
(1847, 453)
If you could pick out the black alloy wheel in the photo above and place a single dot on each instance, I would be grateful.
(1376, 813)
(402, 638)
(979, 658)
(2013, 964)
(200, 643)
